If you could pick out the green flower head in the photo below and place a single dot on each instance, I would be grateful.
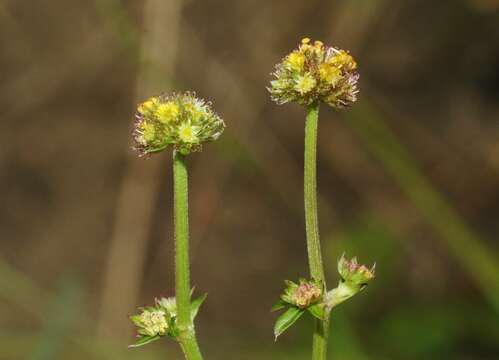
(315, 72)
(351, 272)
(180, 120)
(303, 294)
(160, 320)
(151, 322)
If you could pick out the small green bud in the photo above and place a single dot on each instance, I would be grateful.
(180, 120)
(304, 294)
(315, 72)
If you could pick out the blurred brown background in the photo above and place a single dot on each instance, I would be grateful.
(409, 177)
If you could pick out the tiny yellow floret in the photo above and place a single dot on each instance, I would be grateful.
(196, 111)
(167, 112)
(187, 133)
(305, 84)
(296, 61)
(148, 131)
(148, 105)
(329, 73)
(344, 60)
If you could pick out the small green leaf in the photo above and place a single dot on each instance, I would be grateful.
(318, 311)
(143, 340)
(196, 304)
(281, 304)
(286, 320)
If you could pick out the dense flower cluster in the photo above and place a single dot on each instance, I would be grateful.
(315, 72)
(354, 278)
(351, 272)
(302, 295)
(160, 320)
(156, 320)
(180, 120)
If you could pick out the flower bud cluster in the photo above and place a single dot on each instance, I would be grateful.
(315, 72)
(303, 294)
(156, 320)
(153, 322)
(354, 278)
(350, 271)
(180, 120)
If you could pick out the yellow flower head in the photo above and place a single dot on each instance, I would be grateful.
(180, 120)
(316, 72)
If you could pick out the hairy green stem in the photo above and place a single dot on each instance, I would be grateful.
(187, 337)
(190, 348)
(312, 223)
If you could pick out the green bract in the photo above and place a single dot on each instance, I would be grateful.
(180, 120)
(315, 73)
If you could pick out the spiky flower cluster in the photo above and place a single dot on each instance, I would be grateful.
(350, 271)
(302, 295)
(180, 120)
(154, 322)
(315, 72)
(353, 279)
(158, 320)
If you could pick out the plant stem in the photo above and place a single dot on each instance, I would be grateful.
(312, 223)
(187, 337)
(190, 348)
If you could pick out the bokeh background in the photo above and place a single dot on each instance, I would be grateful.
(409, 177)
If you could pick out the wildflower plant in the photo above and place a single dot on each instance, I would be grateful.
(185, 123)
(309, 75)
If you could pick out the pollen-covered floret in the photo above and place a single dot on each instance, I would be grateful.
(353, 278)
(315, 72)
(351, 271)
(151, 322)
(180, 120)
(303, 294)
